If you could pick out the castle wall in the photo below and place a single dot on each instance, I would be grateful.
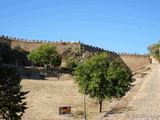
(30, 45)
(134, 61)
(5, 41)
(92, 49)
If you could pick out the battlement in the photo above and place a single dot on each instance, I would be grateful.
(89, 48)
(132, 54)
(133, 61)
(29, 45)
(95, 49)
(37, 41)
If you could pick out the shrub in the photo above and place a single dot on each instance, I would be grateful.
(71, 65)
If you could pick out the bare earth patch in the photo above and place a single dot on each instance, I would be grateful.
(45, 98)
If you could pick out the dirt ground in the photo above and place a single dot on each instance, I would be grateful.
(46, 96)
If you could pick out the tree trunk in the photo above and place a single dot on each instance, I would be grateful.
(45, 66)
(32, 64)
(100, 106)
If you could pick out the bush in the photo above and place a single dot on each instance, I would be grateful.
(42, 75)
(71, 65)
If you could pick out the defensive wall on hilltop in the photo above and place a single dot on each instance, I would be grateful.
(29, 45)
(133, 61)
(92, 49)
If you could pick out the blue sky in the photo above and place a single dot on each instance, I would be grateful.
(128, 26)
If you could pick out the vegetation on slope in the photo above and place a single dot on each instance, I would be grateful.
(155, 50)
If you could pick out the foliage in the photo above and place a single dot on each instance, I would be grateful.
(42, 75)
(18, 48)
(76, 48)
(12, 106)
(71, 65)
(155, 50)
(5, 52)
(102, 79)
(15, 55)
(45, 54)
(19, 55)
(119, 79)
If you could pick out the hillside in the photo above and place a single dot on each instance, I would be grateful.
(142, 102)
(45, 98)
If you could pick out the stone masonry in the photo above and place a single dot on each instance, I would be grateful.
(133, 61)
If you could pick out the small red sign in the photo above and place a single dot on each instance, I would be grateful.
(64, 110)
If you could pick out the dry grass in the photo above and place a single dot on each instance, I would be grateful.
(45, 98)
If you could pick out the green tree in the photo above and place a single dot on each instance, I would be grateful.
(6, 53)
(12, 106)
(119, 78)
(19, 56)
(15, 55)
(155, 50)
(102, 79)
(71, 65)
(45, 54)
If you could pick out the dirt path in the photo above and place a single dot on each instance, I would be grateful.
(145, 105)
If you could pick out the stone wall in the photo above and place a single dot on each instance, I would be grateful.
(92, 49)
(29, 45)
(135, 62)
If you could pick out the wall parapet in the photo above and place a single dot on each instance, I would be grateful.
(39, 41)
(94, 49)
(132, 54)
(29, 45)
(132, 60)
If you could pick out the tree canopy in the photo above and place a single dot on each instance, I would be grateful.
(155, 50)
(12, 106)
(71, 65)
(16, 55)
(45, 54)
(102, 79)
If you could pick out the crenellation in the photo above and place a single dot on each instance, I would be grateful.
(132, 60)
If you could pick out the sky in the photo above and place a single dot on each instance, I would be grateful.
(122, 26)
